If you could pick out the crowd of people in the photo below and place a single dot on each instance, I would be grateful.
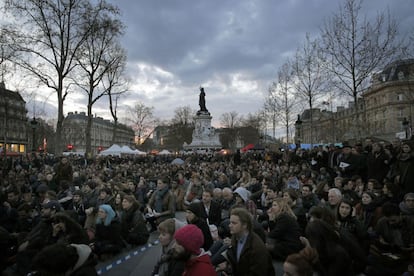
(330, 210)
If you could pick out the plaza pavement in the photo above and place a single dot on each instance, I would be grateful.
(135, 261)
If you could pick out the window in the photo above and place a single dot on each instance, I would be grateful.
(400, 97)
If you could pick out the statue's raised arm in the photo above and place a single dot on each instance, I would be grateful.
(202, 100)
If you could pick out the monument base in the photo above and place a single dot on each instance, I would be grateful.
(204, 135)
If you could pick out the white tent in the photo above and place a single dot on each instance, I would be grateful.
(138, 152)
(127, 150)
(114, 150)
(164, 152)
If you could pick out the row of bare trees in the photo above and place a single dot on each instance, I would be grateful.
(340, 61)
(67, 46)
(236, 128)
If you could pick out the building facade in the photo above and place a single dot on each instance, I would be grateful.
(14, 125)
(385, 111)
(102, 132)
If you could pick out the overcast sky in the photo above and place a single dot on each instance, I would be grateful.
(233, 48)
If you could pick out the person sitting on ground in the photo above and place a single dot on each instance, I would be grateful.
(301, 263)
(167, 265)
(333, 257)
(133, 226)
(161, 205)
(107, 240)
(187, 248)
(194, 216)
(284, 232)
(393, 250)
(66, 230)
(69, 260)
(246, 246)
(242, 196)
(40, 236)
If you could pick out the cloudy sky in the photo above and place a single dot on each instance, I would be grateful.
(233, 48)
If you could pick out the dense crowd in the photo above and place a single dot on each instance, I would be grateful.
(330, 210)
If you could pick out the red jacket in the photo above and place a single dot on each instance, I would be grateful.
(199, 266)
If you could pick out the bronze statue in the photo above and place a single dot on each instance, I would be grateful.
(202, 100)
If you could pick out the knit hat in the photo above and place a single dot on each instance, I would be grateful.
(191, 238)
(243, 193)
(195, 208)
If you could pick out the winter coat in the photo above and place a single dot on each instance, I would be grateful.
(285, 232)
(199, 266)
(108, 238)
(85, 266)
(133, 226)
(214, 214)
(254, 258)
(167, 265)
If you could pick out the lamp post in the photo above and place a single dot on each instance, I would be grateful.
(298, 129)
(33, 124)
(406, 127)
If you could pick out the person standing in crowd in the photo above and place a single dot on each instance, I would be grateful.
(378, 163)
(348, 162)
(133, 226)
(167, 265)
(404, 170)
(187, 248)
(246, 246)
(63, 170)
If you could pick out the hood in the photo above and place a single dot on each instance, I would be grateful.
(243, 193)
(84, 252)
(405, 210)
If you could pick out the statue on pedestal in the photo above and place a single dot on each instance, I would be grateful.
(202, 100)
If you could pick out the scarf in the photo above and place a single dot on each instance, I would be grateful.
(159, 196)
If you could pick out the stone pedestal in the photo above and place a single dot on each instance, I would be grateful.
(204, 135)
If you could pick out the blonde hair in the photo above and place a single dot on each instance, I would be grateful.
(284, 206)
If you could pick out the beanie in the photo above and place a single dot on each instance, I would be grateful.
(191, 238)
(195, 208)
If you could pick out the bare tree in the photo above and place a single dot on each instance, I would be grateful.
(98, 55)
(7, 53)
(116, 85)
(46, 37)
(357, 47)
(230, 120)
(183, 115)
(142, 120)
(281, 100)
(309, 79)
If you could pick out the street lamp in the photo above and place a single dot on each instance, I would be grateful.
(298, 128)
(406, 127)
(33, 124)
